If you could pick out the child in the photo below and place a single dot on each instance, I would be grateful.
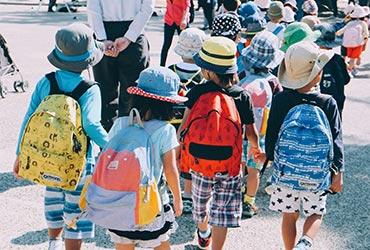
(221, 194)
(298, 62)
(347, 12)
(297, 32)
(262, 55)
(155, 95)
(176, 18)
(276, 15)
(227, 25)
(355, 35)
(73, 41)
(190, 42)
(335, 75)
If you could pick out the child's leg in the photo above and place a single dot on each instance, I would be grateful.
(218, 237)
(312, 225)
(73, 244)
(289, 229)
(164, 246)
(351, 64)
(125, 246)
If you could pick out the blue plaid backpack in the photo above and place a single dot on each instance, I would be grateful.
(304, 151)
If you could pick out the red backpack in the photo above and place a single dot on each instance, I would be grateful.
(212, 136)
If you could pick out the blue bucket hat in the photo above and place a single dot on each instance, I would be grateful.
(159, 83)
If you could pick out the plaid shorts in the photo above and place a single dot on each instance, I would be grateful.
(289, 201)
(220, 197)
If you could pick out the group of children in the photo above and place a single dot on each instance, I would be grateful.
(264, 85)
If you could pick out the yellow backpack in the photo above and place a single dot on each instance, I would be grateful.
(53, 147)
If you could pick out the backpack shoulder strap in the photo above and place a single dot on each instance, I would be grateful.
(81, 88)
(54, 88)
(277, 30)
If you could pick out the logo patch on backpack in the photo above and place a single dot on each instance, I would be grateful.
(53, 147)
(123, 192)
(304, 150)
(212, 136)
(352, 36)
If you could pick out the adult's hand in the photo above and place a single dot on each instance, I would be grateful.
(109, 48)
(121, 43)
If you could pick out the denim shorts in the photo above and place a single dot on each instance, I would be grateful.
(219, 197)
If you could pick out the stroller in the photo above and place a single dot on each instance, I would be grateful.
(8, 68)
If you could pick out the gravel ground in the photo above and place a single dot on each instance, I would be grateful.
(22, 226)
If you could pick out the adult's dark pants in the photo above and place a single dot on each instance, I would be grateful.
(208, 10)
(52, 3)
(116, 74)
(169, 31)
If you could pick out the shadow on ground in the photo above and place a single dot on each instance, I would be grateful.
(8, 181)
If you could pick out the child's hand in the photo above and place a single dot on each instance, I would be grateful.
(16, 168)
(254, 152)
(260, 158)
(337, 182)
(177, 203)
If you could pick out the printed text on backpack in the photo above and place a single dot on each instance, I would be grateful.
(53, 147)
(123, 192)
(304, 150)
(212, 136)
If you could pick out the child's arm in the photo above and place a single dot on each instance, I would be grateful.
(184, 118)
(253, 139)
(172, 177)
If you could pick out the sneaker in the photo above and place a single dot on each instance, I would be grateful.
(304, 243)
(249, 210)
(354, 72)
(204, 243)
(56, 244)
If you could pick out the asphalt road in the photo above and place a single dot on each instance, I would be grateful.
(30, 37)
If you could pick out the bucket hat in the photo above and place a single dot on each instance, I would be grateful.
(159, 83)
(189, 43)
(292, 3)
(310, 20)
(301, 64)
(358, 12)
(263, 52)
(218, 55)
(263, 4)
(289, 15)
(349, 8)
(296, 32)
(252, 25)
(276, 10)
(249, 9)
(75, 48)
(310, 7)
(226, 25)
(328, 38)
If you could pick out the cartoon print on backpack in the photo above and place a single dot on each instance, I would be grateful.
(54, 145)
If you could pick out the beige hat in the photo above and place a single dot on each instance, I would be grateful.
(301, 64)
